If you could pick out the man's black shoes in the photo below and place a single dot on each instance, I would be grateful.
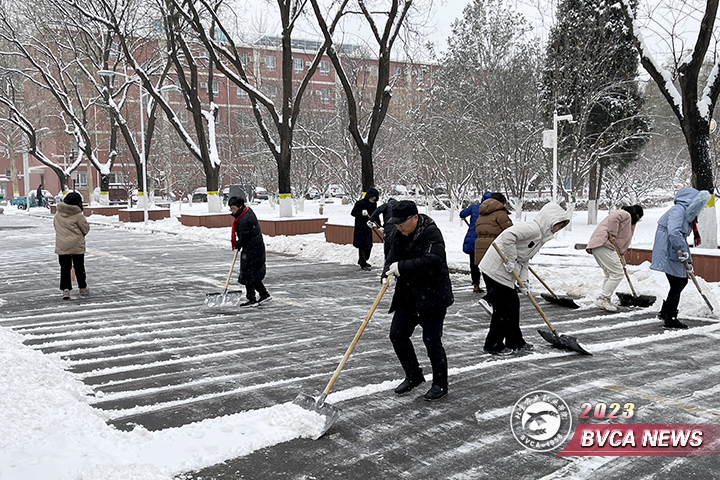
(408, 385)
(435, 393)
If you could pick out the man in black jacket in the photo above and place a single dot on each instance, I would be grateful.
(415, 254)
(362, 235)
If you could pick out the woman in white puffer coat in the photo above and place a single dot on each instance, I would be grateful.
(519, 244)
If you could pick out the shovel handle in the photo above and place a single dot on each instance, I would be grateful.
(697, 285)
(517, 279)
(622, 261)
(541, 281)
(232, 267)
(357, 337)
(374, 229)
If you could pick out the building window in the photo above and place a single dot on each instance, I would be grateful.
(272, 91)
(80, 179)
(373, 69)
(324, 95)
(216, 87)
(243, 59)
(115, 177)
(269, 63)
(182, 115)
(324, 67)
(297, 65)
(397, 71)
(240, 93)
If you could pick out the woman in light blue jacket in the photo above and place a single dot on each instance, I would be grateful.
(671, 248)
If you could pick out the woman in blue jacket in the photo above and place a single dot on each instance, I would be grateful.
(671, 248)
(469, 242)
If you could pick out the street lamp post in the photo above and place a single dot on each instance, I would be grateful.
(550, 141)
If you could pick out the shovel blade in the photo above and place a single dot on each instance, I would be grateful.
(223, 299)
(561, 301)
(629, 300)
(330, 413)
(563, 341)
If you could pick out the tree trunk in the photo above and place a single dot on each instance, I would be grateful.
(702, 179)
(592, 196)
(368, 175)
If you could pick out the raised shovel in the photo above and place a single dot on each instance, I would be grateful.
(633, 300)
(329, 412)
(560, 341)
(225, 298)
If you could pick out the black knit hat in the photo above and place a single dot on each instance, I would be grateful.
(74, 198)
(402, 210)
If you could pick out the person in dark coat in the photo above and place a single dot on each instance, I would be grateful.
(362, 236)
(415, 254)
(386, 211)
(671, 249)
(472, 211)
(247, 237)
(39, 197)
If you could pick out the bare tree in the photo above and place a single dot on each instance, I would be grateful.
(691, 101)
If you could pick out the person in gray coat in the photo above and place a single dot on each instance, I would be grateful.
(671, 249)
(70, 230)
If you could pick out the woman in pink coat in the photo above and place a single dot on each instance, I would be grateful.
(616, 229)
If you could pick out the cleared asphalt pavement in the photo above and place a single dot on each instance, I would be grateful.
(155, 357)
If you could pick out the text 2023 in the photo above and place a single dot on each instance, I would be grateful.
(601, 410)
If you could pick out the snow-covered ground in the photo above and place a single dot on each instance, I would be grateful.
(49, 431)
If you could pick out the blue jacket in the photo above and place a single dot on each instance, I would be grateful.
(673, 229)
(472, 211)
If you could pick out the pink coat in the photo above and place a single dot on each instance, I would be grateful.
(619, 224)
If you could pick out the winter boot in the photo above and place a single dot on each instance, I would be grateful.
(66, 294)
(671, 321)
(663, 311)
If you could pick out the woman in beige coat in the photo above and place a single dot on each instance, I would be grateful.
(615, 230)
(70, 230)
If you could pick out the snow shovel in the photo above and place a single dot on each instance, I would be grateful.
(626, 299)
(560, 341)
(697, 285)
(563, 301)
(326, 410)
(377, 232)
(225, 298)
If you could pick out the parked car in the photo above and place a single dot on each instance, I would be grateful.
(199, 197)
(261, 193)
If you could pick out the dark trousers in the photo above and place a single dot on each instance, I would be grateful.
(255, 287)
(505, 322)
(677, 285)
(67, 263)
(401, 329)
(474, 269)
(363, 256)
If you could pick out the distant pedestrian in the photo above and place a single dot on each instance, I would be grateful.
(415, 254)
(469, 241)
(386, 226)
(493, 218)
(362, 235)
(71, 227)
(247, 237)
(615, 229)
(671, 249)
(519, 244)
(39, 196)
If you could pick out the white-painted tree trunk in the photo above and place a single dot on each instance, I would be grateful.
(570, 210)
(214, 203)
(518, 209)
(104, 198)
(707, 226)
(451, 212)
(286, 207)
(592, 212)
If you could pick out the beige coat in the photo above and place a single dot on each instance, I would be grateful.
(619, 224)
(493, 219)
(70, 230)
